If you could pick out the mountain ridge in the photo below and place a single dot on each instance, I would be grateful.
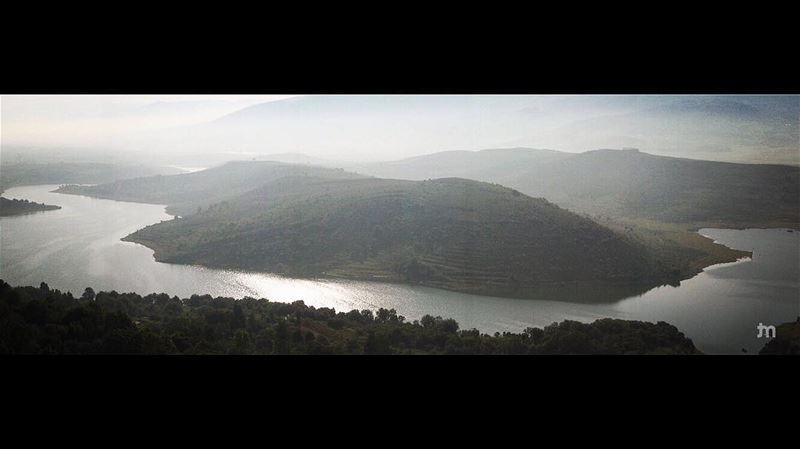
(632, 185)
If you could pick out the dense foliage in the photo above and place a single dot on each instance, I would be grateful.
(46, 321)
(19, 207)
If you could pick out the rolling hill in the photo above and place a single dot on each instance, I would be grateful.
(450, 233)
(20, 174)
(26, 173)
(185, 193)
(626, 184)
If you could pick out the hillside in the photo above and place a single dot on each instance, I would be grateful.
(20, 207)
(452, 233)
(185, 193)
(628, 184)
(21, 174)
(786, 341)
(486, 165)
(40, 320)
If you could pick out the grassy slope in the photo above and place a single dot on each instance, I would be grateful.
(661, 201)
(628, 185)
(185, 193)
(453, 234)
(450, 233)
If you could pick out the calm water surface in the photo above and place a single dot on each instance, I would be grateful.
(79, 246)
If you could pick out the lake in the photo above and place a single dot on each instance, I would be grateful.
(79, 246)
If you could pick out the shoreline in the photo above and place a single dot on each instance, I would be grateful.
(541, 291)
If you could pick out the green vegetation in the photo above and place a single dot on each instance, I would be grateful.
(19, 207)
(454, 234)
(449, 233)
(786, 341)
(45, 321)
(627, 185)
(185, 193)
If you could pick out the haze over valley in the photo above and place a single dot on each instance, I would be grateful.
(373, 128)
(506, 212)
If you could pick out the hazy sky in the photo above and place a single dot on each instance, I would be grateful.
(83, 119)
(371, 128)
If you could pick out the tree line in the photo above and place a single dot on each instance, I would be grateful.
(41, 320)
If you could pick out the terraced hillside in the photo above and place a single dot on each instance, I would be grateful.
(451, 233)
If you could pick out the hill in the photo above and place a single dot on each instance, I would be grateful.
(486, 165)
(786, 341)
(628, 184)
(19, 207)
(451, 233)
(46, 321)
(21, 174)
(185, 193)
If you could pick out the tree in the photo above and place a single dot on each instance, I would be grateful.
(449, 325)
(428, 322)
(386, 316)
(88, 294)
(238, 320)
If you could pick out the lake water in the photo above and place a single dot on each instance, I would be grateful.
(79, 246)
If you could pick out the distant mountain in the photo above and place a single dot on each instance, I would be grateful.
(19, 174)
(710, 106)
(753, 129)
(371, 128)
(766, 107)
(626, 184)
(298, 158)
(184, 193)
(482, 165)
(342, 106)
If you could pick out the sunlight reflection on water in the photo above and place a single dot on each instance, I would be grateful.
(79, 246)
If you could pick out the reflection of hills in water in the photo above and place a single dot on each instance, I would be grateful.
(589, 293)
(776, 255)
(450, 233)
(79, 246)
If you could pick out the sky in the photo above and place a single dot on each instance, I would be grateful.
(81, 119)
(181, 129)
